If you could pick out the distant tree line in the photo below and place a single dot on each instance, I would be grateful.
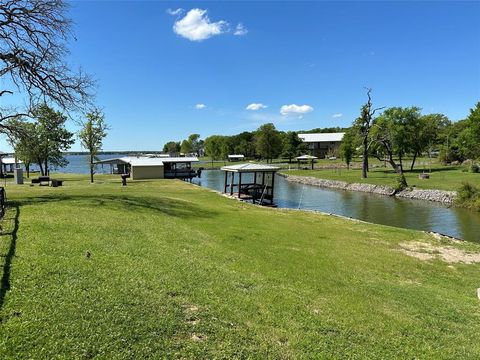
(265, 143)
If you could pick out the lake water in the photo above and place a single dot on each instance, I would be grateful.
(380, 209)
(78, 164)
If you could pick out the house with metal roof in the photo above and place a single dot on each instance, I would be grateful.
(145, 167)
(322, 145)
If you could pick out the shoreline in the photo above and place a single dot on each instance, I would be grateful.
(323, 213)
(441, 196)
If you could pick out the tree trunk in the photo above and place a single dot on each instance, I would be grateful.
(41, 168)
(365, 157)
(27, 169)
(46, 167)
(91, 168)
(413, 161)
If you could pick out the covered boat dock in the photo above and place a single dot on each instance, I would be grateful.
(305, 159)
(254, 182)
(147, 167)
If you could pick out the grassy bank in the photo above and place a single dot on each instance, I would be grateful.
(441, 177)
(166, 269)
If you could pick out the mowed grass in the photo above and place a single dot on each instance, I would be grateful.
(165, 269)
(441, 177)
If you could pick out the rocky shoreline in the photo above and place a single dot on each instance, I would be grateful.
(444, 197)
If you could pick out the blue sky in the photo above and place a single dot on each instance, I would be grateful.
(318, 56)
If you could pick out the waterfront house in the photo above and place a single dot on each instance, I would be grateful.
(322, 144)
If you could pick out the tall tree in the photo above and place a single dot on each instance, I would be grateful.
(424, 133)
(24, 141)
(172, 147)
(363, 124)
(244, 144)
(33, 38)
(226, 147)
(52, 136)
(213, 147)
(195, 143)
(268, 141)
(186, 147)
(470, 136)
(93, 131)
(347, 147)
(290, 145)
(392, 133)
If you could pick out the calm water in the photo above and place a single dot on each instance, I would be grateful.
(78, 164)
(413, 214)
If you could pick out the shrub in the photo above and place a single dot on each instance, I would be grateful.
(401, 182)
(468, 196)
(467, 191)
(475, 168)
(453, 154)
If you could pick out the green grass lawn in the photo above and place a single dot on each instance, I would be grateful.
(441, 177)
(164, 269)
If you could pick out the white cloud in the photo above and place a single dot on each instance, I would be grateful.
(196, 26)
(336, 116)
(174, 12)
(200, 106)
(294, 109)
(240, 30)
(255, 106)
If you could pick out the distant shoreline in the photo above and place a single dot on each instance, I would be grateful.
(127, 152)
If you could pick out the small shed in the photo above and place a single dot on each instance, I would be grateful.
(305, 159)
(146, 168)
(10, 163)
(254, 182)
(236, 157)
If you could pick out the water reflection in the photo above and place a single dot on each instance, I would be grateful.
(413, 214)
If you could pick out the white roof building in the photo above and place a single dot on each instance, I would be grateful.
(11, 161)
(321, 137)
(322, 145)
(306, 157)
(144, 167)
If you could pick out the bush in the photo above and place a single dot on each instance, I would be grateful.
(453, 154)
(467, 191)
(401, 183)
(475, 168)
(468, 196)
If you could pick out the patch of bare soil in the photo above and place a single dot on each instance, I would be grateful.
(449, 254)
(198, 337)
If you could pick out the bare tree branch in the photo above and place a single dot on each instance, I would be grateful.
(33, 38)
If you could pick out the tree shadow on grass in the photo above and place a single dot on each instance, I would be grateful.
(11, 222)
(9, 228)
(164, 205)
